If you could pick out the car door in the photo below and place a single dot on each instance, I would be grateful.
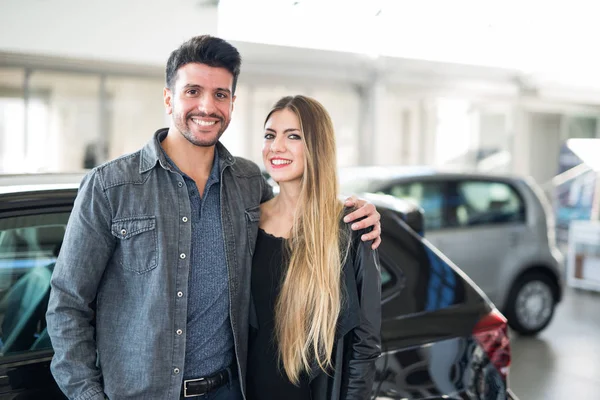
(31, 232)
(428, 315)
(485, 223)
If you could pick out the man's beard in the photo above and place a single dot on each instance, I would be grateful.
(204, 140)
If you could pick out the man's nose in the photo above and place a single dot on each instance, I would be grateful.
(206, 104)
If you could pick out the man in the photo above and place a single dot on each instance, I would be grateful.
(150, 294)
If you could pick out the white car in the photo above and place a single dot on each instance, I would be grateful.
(497, 229)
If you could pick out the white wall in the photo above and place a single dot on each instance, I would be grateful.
(139, 31)
(73, 115)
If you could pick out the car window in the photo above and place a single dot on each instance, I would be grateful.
(428, 282)
(388, 279)
(485, 203)
(428, 195)
(29, 246)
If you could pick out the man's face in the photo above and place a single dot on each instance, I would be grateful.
(201, 103)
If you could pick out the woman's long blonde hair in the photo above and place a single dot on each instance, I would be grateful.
(310, 299)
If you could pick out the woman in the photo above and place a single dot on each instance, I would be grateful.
(315, 323)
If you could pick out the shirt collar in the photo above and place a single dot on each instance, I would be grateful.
(153, 153)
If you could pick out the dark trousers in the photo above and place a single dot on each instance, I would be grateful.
(229, 391)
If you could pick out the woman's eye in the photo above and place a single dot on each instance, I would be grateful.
(293, 136)
(269, 136)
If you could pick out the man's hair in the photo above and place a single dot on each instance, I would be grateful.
(305, 325)
(204, 49)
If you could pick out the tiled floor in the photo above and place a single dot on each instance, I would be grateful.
(562, 362)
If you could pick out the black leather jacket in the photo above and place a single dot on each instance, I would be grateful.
(358, 342)
(359, 337)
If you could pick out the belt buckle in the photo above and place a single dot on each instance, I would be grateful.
(185, 387)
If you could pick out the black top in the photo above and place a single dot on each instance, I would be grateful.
(266, 377)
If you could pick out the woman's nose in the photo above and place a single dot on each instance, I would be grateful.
(277, 145)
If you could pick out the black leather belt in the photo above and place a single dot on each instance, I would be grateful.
(202, 386)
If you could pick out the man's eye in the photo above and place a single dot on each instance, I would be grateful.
(192, 92)
(221, 95)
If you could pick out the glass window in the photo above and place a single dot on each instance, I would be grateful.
(69, 122)
(582, 127)
(428, 195)
(134, 112)
(23, 125)
(29, 246)
(427, 282)
(386, 278)
(343, 105)
(392, 276)
(483, 203)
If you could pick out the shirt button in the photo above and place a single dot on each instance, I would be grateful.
(184, 219)
(123, 232)
(180, 184)
(182, 256)
(179, 294)
(178, 332)
(176, 371)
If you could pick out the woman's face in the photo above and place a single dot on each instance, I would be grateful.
(283, 149)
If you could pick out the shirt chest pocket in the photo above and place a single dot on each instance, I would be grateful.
(252, 219)
(136, 248)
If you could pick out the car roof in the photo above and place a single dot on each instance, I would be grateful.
(15, 183)
(19, 183)
(402, 171)
(401, 206)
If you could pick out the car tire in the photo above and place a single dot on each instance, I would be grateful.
(531, 304)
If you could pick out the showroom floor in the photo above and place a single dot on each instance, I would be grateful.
(562, 362)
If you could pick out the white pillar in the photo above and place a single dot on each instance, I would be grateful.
(521, 141)
(251, 148)
(428, 124)
(371, 129)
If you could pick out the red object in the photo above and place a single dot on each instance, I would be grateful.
(492, 333)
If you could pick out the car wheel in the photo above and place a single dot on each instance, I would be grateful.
(531, 304)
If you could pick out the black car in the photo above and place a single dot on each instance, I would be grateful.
(442, 338)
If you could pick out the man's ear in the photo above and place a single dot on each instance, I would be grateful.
(168, 100)
(233, 102)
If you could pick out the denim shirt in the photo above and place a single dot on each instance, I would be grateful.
(118, 304)
(209, 339)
